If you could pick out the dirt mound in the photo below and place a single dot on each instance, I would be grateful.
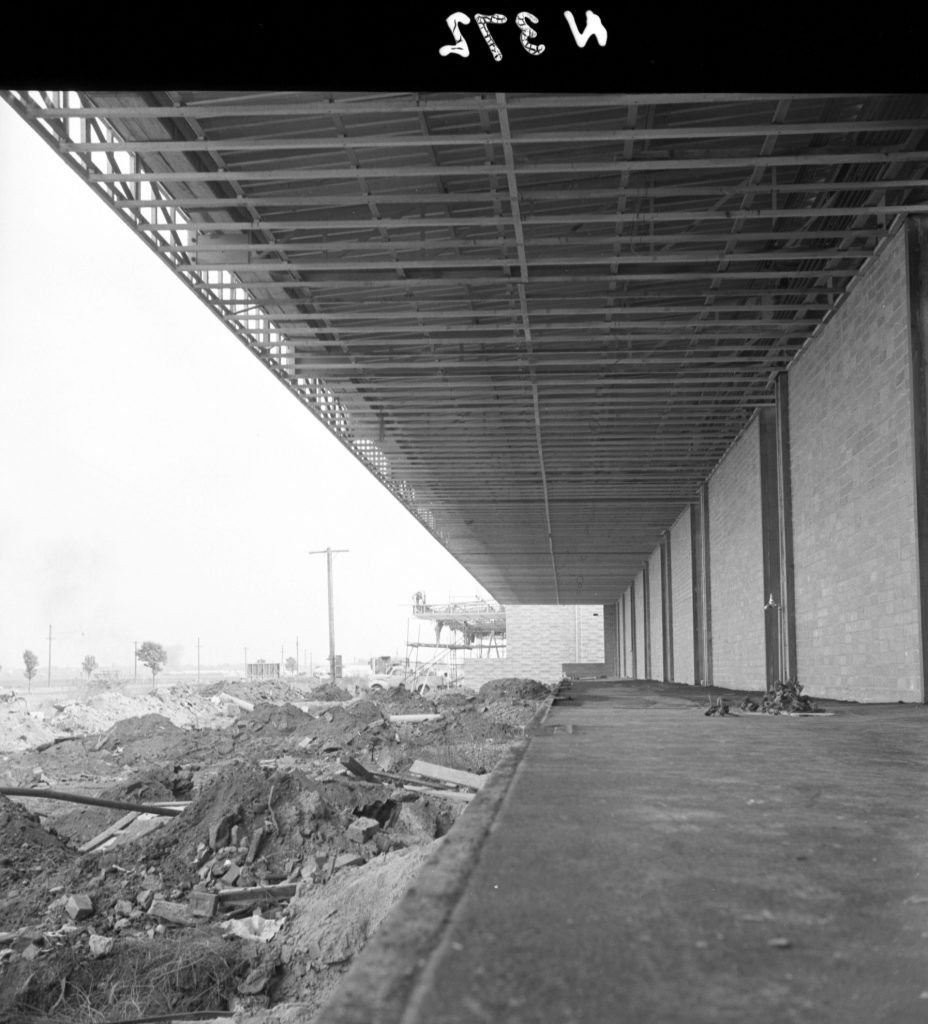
(328, 925)
(26, 848)
(329, 692)
(282, 719)
(268, 825)
(21, 728)
(147, 727)
(401, 701)
(253, 690)
(513, 689)
(31, 859)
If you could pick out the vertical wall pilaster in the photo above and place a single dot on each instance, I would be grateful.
(770, 546)
(702, 604)
(611, 639)
(785, 523)
(666, 606)
(646, 611)
(916, 239)
(634, 631)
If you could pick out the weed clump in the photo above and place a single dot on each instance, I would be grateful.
(141, 978)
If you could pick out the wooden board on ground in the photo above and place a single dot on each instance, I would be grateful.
(107, 833)
(131, 826)
(464, 796)
(257, 892)
(452, 775)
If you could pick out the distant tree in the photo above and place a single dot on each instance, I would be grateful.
(32, 664)
(153, 656)
(291, 665)
(89, 665)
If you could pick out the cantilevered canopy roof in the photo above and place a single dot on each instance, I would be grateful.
(539, 320)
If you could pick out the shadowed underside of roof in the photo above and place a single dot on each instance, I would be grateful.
(539, 320)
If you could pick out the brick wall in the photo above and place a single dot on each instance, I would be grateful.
(639, 622)
(736, 566)
(854, 543)
(681, 590)
(657, 627)
(539, 640)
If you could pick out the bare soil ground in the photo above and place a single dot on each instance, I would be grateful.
(279, 864)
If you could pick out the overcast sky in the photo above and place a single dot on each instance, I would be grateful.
(157, 482)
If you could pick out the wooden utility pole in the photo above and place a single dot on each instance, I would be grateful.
(49, 657)
(328, 552)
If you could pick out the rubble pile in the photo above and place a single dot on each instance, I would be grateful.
(278, 837)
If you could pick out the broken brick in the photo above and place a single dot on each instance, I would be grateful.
(79, 906)
(361, 829)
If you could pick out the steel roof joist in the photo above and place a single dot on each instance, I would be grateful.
(539, 320)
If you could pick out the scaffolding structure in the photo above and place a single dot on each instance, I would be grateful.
(477, 626)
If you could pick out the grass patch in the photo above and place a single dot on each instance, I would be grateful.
(140, 978)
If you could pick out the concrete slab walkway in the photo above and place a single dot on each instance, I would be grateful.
(638, 861)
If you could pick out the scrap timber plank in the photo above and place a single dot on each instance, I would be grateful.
(453, 775)
(107, 833)
(257, 892)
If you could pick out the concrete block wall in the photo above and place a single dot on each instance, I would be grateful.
(737, 567)
(539, 640)
(656, 618)
(639, 622)
(627, 631)
(854, 542)
(681, 589)
(477, 671)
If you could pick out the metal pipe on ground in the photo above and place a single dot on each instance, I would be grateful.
(96, 801)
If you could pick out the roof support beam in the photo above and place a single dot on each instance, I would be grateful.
(526, 323)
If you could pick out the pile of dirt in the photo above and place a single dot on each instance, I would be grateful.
(400, 701)
(151, 727)
(513, 689)
(327, 926)
(255, 691)
(275, 806)
(21, 728)
(253, 826)
(329, 692)
(31, 859)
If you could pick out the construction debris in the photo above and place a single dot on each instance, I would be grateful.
(283, 825)
(452, 775)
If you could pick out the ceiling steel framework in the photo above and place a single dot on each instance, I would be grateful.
(539, 320)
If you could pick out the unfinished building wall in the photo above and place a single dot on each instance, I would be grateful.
(655, 597)
(853, 494)
(736, 566)
(640, 612)
(591, 639)
(540, 639)
(681, 589)
(611, 639)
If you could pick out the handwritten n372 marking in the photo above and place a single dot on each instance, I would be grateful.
(592, 29)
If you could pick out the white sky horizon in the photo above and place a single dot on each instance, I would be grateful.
(158, 482)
